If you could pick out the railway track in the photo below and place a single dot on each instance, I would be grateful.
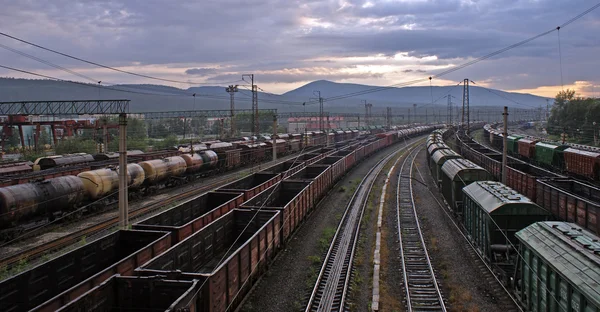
(500, 293)
(10, 260)
(331, 288)
(420, 283)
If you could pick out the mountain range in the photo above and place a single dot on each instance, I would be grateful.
(146, 98)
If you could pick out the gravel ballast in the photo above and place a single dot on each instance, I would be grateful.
(288, 283)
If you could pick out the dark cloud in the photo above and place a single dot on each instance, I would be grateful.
(201, 71)
(285, 40)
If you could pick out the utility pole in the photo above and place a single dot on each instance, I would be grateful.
(504, 144)
(409, 116)
(426, 116)
(321, 110)
(105, 134)
(466, 104)
(123, 196)
(255, 125)
(449, 110)
(274, 136)
(368, 114)
(231, 90)
(547, 109)
(415, 112)
(388, 117)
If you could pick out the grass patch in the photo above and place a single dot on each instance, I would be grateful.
(314, 260)
(326, 237)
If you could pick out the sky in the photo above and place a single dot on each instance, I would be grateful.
(287, 43)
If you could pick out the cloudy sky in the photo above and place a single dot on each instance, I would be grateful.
(287, 43)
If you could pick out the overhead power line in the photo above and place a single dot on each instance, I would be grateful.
(165, 93)
(110, 67)
(466, 64)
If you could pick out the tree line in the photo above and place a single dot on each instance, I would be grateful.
(141, 135)
(577, 117)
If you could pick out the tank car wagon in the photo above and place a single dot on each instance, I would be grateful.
(27, 202)
(458, 173)
(493, 213)
(102, 182)
(560, 268)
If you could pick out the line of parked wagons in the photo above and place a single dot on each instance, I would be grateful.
(567, 198)
(202, 255)
(65, 182)
(549, 265)
(574, 159)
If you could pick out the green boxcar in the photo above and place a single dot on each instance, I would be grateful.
(559, 269)
(435, 147)
(456, 174)
(513, 143)
(438, 159)
(550, 154)
(493, 213)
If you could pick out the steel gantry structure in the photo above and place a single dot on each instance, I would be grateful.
(55, 108)
(84, 107)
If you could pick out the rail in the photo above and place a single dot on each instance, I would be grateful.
(422, 290)
(29, 254)
(331, 287)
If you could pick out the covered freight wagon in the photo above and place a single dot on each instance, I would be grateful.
(559, 270)
(456, 174)
(550, 155)
(582, 163)
(437, 161)
(512, 144)
(493, 213)
(527, 148)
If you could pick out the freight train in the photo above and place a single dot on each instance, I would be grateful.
(23, 206)
(573, 159)
(223, 239)
(539, 260)
(567, 198)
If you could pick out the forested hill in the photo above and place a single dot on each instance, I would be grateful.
(166, 98)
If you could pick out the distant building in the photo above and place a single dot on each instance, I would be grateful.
(300, 124)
